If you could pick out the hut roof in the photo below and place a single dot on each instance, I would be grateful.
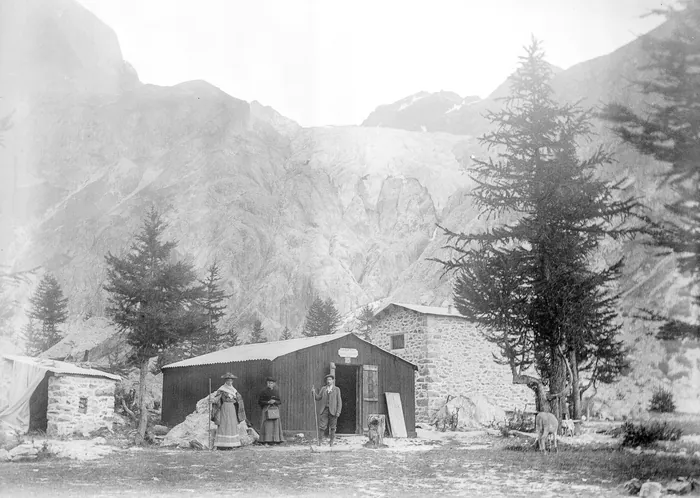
(262, 351)
(60, 367)
(426, 310)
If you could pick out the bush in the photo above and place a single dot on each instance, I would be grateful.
(645, 434)
(662, 401)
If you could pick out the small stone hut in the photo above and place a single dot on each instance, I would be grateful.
(451, 354)
(56, 397)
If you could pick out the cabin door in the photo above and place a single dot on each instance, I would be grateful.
(370, 393)
(347, 378)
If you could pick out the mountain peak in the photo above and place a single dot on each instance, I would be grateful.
(422, 111)
(59, 45)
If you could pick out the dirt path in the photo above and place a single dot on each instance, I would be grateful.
(477, 468)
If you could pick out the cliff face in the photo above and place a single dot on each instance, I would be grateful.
(350, 212)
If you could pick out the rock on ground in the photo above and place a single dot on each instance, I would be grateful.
(467, 412)
(632, 486)
(196, 428)
(679, 487)
(651, 490)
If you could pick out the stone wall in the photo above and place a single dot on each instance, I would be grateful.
(452, 358)
(79, 404)
(465, 364)
(412, 324)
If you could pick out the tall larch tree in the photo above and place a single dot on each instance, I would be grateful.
(154, 300)
(526, 279)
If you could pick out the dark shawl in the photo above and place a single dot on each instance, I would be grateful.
(268, 394)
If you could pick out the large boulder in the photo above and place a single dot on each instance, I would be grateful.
(195, 428)
(473, 411)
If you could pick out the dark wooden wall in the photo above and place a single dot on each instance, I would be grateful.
(184, 386)
(395, 375)
(295, 373)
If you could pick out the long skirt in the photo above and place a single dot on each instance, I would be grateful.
(270, 430)
(227, 433)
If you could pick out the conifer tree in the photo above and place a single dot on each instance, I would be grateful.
(332, 316)
(526, 280)
(214, 310)
(258, 334)
(31, 336)
(154, 300)
(49, 309)
(286, 334)
(668, 131)
(366, 319)
(322, 318)
(230, 339)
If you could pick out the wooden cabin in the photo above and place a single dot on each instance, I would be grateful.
(364, 373)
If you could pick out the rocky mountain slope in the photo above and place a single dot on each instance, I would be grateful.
(349, 212)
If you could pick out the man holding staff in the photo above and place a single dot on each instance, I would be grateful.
(329, 408)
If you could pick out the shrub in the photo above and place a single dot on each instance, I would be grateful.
(645, 434)
(662, 401)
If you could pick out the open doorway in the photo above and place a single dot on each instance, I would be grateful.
(38, 404)
(346, 380)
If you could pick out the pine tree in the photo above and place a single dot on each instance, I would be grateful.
(526, 280)
(668, 130)
(152, 299)
(366, 319)
(286, 334)
(332, 316)
(49, 309)
(228, 339)
(214, 310)
(322, 318)
(258, 334)
(31, 336)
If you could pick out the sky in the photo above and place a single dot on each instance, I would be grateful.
(331, 62)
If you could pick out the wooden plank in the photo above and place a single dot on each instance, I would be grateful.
(396, 420)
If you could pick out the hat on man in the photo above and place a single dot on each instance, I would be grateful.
(270, 379)
(228, 375)
(329, 375)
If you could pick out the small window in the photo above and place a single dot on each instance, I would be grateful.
(397, 341)
(82, 406)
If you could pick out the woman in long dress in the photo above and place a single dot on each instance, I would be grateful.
(231, 412)
(270, 428)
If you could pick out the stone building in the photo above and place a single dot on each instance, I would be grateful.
(451, 354)
(56, 397)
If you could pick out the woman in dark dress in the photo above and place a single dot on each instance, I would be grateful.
(270, 425)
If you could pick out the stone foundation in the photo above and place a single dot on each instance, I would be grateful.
(452, 358)
(79, 404)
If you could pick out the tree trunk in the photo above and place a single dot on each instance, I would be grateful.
(541, 402)
(557, 385)
(143, 422)
(575, 385)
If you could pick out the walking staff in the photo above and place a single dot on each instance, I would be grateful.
(209, 405)
(313, 395)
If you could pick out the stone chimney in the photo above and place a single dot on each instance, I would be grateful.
(450, 309)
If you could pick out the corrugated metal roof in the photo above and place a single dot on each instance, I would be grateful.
(262, 351)
(427, 310)
(61, 367)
